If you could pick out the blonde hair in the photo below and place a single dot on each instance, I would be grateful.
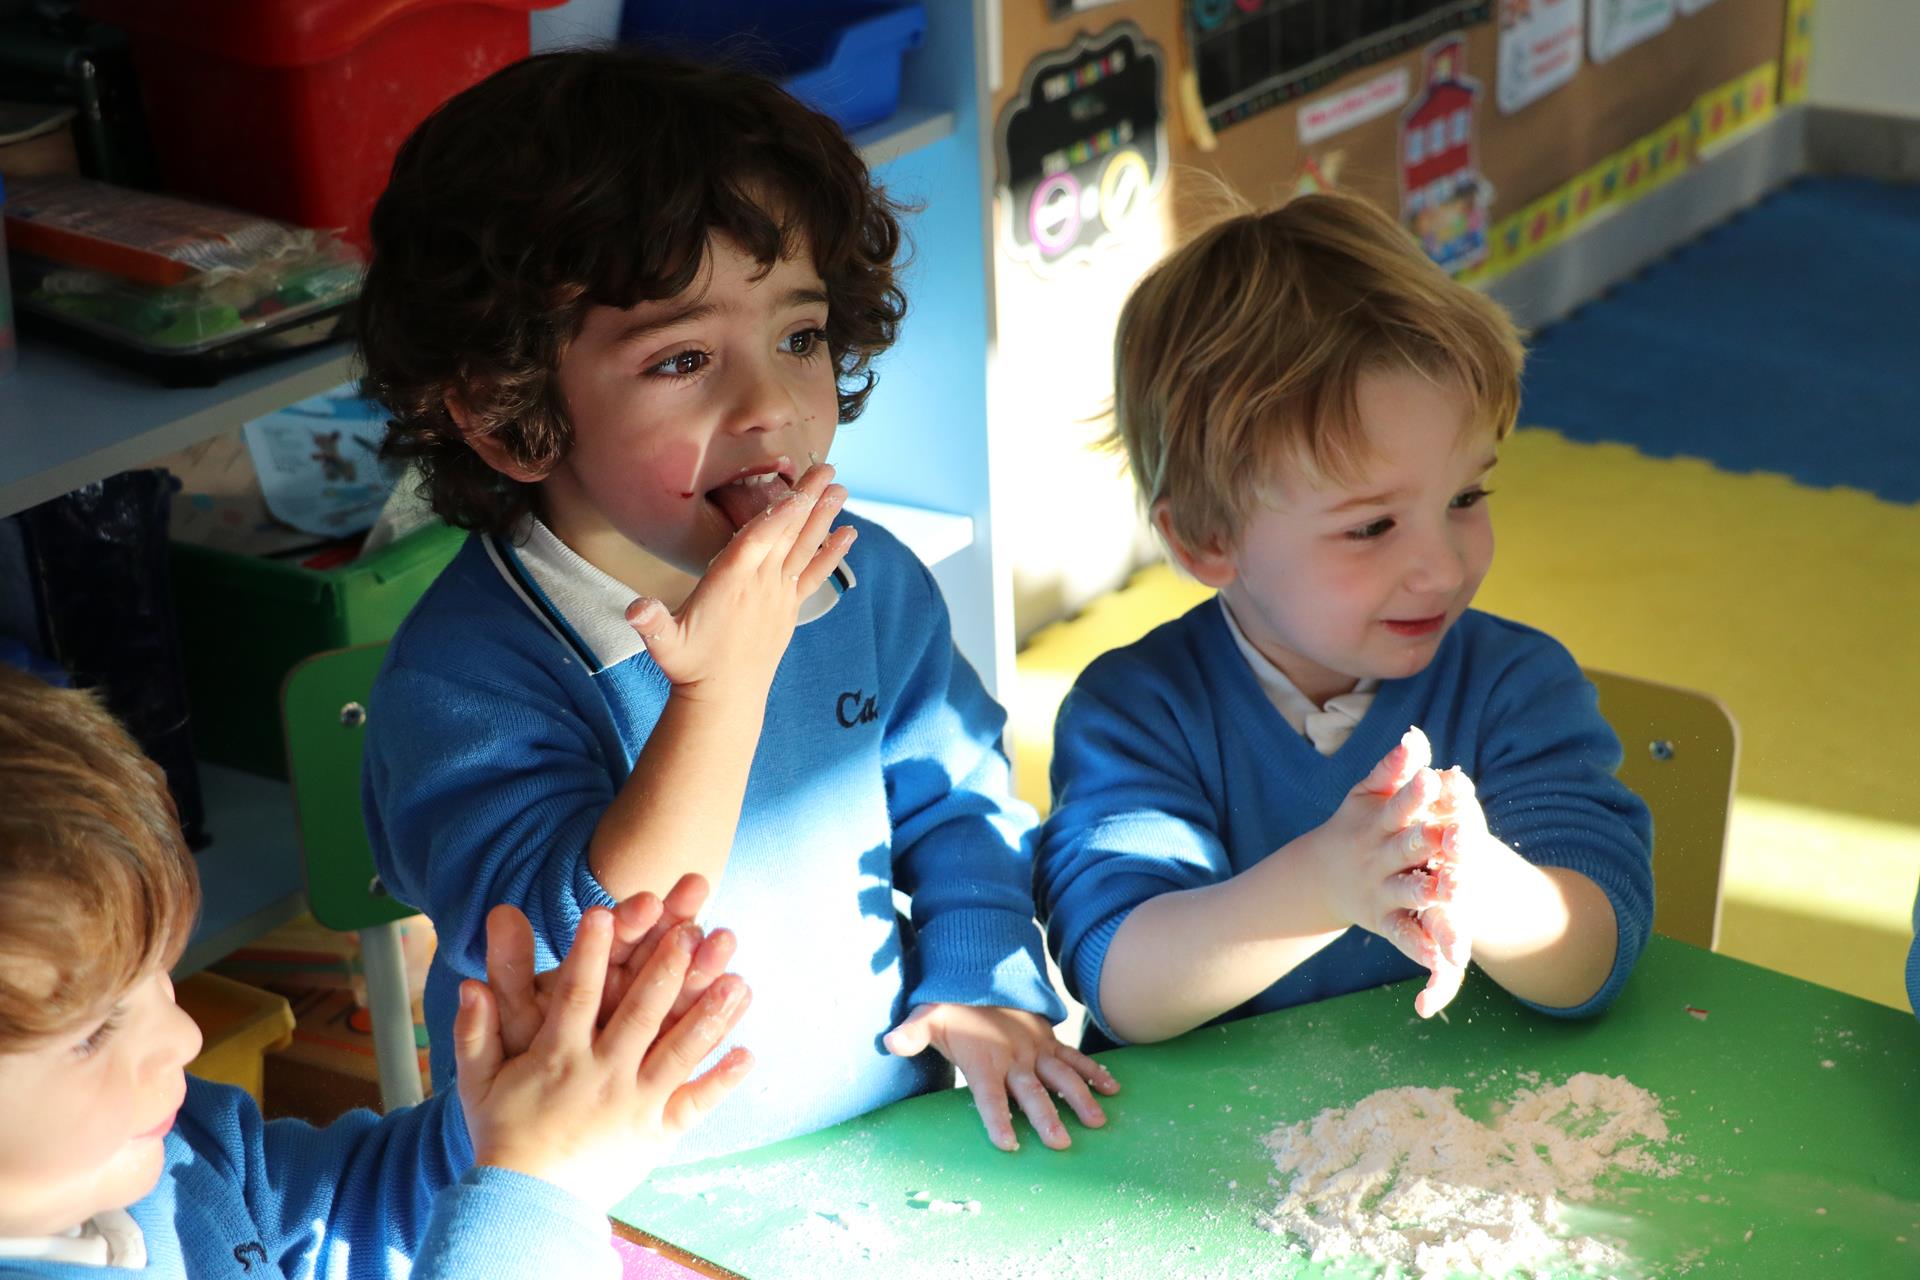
(96, 883)
(1242, 351)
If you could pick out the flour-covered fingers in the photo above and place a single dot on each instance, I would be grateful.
(1443, 984)
(1071, 1084)
(1026, 1089)
(990, 1100)
(826, 559)
(1410, 755)
(1404, 931)
(1417, 889)
(631, 1030)
(693, 1100)
(710, 960)
(1092, 1070)
(684, 1045)
(814, 534)
(1449, 939)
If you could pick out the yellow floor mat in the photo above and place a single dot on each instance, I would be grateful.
(1796, 606)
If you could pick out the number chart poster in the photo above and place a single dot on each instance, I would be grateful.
(1252, 55)
(1082, 146)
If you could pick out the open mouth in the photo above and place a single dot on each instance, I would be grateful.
(1416, 626)
(752, 492)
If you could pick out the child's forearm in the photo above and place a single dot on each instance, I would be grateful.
(1185, 957)
(679, 808)
(1546, 934)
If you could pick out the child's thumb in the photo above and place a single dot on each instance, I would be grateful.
(910, 1037)
(653, 623)
(477, 1050)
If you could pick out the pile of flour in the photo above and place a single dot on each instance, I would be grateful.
(1402, 1177)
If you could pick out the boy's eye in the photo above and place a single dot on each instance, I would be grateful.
(1471, 498)
(101, 1034)
(1368, 532)
(681, 364)
(807, 342)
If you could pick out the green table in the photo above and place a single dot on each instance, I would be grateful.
(1795, 1111)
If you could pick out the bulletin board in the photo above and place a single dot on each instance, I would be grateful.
(1493, 128)
(1628, 70)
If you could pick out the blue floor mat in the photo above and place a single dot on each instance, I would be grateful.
(1785, 340)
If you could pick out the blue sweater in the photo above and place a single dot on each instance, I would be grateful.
(1172, 770)
(364, 1197)
(498, 737)
(1913, 962)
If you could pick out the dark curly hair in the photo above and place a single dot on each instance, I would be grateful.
(594, 177)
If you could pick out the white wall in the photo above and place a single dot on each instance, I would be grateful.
(1866, 56)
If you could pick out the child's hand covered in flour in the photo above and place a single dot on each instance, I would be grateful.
(1009, 1053)
(729, 635)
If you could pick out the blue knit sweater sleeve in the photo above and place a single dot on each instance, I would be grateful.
(365, 1194)
(1130, 819)
(1547, 784)
(483, 791)
(961, 841)
(1913, 962)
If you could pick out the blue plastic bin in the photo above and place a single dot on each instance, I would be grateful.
(841, 59)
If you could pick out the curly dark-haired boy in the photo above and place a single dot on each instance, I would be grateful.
(617, 304)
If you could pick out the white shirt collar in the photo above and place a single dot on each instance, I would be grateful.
(593, 603)
(108, 1239)
(1328, 727)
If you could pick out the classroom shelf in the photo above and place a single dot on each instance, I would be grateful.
(931, 535)
(67, 419)
(250, 875)
(907, 129)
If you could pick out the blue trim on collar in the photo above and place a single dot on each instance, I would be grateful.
(555, 619)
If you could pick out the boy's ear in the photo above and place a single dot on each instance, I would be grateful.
(492, 450)
(1211, 566)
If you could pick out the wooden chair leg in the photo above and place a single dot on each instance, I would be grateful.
(385, 966)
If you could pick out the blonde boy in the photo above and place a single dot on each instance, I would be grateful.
(1243, 820)
(114, 1162)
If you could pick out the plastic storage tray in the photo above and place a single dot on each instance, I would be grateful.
(244, 622)
(841, 59)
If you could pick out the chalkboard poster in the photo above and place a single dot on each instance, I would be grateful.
(1082, 145)
(1249, 55)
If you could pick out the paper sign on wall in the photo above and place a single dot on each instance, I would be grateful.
(1539, 49)
(1337, 112)
(1618, 25)
(1082, 145)
(1443, 197)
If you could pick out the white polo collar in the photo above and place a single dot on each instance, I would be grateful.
(586, 607)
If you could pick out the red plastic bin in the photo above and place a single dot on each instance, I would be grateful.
(294, 108)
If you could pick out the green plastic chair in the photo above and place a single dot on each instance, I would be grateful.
(323, 705)
(1682, 753)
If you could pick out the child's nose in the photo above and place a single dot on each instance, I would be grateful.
(762, 401)
(180, 1038)
(1439, 566)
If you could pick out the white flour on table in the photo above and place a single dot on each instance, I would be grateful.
(1406, 1179)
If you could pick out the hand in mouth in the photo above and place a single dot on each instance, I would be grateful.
(753, 490)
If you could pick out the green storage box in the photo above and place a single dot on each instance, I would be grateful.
(244, 622)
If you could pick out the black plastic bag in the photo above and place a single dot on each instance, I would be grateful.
(97, 560)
